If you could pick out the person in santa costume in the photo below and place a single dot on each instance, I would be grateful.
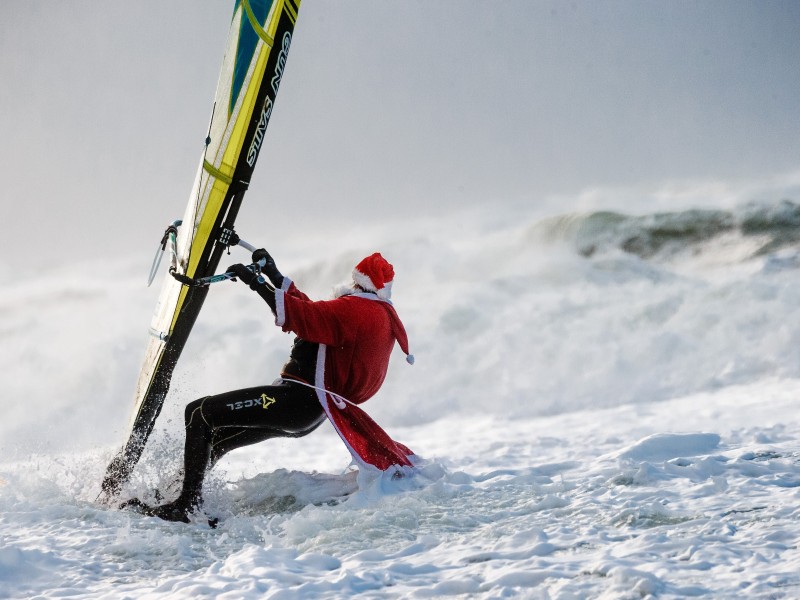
(338, 360)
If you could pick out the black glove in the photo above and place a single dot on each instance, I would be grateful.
(269, 269)
(256, 283)
(243, 273)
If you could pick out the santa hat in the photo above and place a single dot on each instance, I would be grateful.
(375, 274)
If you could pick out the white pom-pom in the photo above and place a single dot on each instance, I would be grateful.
(410, 359)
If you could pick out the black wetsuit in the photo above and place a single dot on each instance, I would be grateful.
(215, 425)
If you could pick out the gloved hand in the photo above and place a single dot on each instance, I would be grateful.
(256, 283)
(243, 273)
(269, 269)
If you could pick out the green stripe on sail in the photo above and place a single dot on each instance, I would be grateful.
(255, 24)
(216, 173)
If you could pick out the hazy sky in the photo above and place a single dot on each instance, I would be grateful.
(386, 108)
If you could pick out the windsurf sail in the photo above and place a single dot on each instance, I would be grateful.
(253, 65)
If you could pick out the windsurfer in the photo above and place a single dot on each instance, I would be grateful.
(341, 351)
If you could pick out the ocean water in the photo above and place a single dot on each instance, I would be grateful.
(605, 402)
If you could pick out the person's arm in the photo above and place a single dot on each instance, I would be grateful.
(257, 283)
(269, 268)
(329, 322)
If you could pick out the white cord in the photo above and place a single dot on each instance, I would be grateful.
(340, 401)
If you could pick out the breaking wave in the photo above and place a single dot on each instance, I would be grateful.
(766, 227)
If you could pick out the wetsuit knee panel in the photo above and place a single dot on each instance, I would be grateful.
(192, 407)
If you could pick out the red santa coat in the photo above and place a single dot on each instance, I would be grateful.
(356, 334)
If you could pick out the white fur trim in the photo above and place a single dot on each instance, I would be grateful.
(322, 396)
(319, 375)
(344, 289)
(370, 296)
(280, 302)
(385, 293)
(364, 281)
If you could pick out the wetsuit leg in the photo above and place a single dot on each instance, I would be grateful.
(215, 425)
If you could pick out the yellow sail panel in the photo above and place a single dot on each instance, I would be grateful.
(216, 196)
(240, 126)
